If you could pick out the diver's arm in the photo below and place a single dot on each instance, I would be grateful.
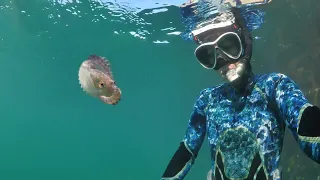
(187, 152)
(246, 37)
(301, 117)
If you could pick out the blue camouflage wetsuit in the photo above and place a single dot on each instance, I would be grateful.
(246, 130)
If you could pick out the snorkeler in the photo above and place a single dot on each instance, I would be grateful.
(245, 118)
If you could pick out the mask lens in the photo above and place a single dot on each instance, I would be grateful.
(206, 56)
(230, 44)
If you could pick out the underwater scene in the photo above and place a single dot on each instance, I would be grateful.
(109, 86)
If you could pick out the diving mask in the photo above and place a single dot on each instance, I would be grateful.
(210, 54)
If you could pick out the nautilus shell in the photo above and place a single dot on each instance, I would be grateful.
(96, 79)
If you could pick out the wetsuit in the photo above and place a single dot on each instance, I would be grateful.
(246, 130)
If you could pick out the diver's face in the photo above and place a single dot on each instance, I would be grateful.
(232, 72)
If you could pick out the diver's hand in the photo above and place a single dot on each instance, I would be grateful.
(310, 122)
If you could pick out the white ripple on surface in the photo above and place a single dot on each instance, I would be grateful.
(126, 12)
(161, 42)
(136, 5)
(127, 17)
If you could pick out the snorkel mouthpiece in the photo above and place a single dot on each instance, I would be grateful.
(236, 73)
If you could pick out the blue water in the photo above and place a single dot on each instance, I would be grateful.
(50, 129)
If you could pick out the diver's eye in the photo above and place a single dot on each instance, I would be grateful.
(101, 85)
